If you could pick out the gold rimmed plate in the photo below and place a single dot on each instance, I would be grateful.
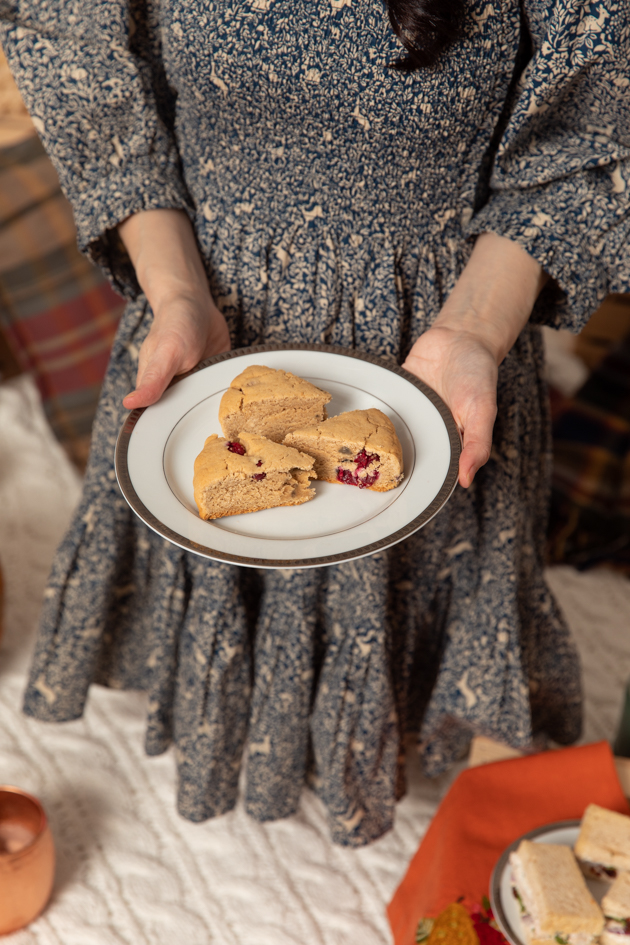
(157, 447)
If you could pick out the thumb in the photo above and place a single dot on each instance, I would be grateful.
(154, 377)
(477, 441)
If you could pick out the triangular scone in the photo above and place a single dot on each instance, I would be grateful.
(249, 474)
(271, 403)
(359, 448)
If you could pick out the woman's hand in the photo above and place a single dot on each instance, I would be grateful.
(187, 325)
(463, 371)
(184, 331)
(460, 354)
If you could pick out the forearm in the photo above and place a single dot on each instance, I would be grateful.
(495, 294)
(162, 247)
(480, 321)
(186, 326)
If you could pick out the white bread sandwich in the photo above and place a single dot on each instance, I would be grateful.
(603, 845)
(556, 905)
(616, 907)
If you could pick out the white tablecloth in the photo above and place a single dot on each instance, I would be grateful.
(130, 870)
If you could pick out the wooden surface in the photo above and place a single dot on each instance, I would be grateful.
(484, 750)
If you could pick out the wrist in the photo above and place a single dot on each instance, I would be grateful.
(165, 289)
(493, 298)
(481, 330)
(163, 249)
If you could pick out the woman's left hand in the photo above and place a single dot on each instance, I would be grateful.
(187, 325)
(459, 355)
(463, 371)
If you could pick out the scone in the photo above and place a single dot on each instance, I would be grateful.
(271, 403)
(249, 474)
(359, 448)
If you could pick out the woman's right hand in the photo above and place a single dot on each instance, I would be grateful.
(187, 325)
(184, 331)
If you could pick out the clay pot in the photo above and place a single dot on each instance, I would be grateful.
(27, 859)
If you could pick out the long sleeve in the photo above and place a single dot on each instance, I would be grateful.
(561, 180)
(92, 80)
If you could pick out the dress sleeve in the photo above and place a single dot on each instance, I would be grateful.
(92, 79)
(561, 180)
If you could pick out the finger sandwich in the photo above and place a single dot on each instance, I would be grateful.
(603, 845)
(616, 907)
(556, 905)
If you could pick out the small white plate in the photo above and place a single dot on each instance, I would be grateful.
(157, 447)
(504, 904)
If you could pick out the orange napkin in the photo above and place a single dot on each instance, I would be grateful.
(485, 810)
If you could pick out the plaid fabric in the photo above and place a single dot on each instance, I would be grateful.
(590, 520)
(57, 312)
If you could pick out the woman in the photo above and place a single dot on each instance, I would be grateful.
(255, 171)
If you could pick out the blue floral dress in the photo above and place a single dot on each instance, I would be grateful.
(334, 200)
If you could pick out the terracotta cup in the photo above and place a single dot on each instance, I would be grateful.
(27, 859)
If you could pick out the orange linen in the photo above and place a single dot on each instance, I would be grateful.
(485, 810)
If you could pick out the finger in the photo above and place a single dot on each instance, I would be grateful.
(477, 442)
(154, 377)
(472, 458)
(144, 395)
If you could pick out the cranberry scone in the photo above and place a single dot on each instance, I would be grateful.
(270, 402)
(249, 474)
(359, 447)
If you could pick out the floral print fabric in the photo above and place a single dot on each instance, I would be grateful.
(333, 200)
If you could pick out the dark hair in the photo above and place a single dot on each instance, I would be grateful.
(425, 28)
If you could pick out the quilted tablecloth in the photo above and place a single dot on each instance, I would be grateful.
(130, 870)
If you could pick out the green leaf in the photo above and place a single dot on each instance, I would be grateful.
(520, 901)
(485, 902)
(424, 930)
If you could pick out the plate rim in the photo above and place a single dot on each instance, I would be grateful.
(151, 520)
(499, 867)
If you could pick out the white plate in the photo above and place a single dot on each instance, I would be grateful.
(157, 447)
(504, 904)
